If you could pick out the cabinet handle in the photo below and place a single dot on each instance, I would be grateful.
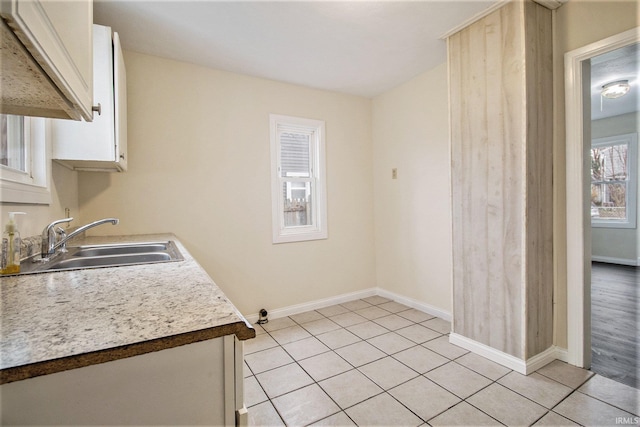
(97, 108)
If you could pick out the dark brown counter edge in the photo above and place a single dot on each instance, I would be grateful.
(240, 329)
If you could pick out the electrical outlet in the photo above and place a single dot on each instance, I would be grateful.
(394, 173)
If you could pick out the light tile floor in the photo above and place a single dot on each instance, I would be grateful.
(377, 362)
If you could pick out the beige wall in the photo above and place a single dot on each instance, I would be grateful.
(199, 166)
(413, 212)
(577, 24)
(64, 194)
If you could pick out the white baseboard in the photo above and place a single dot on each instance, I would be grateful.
(326, 302)
(413, 303)
(612, 260)
(507, 360)
(524, 367)
(313, 305)
(562, 354)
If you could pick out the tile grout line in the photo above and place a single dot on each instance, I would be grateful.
(341, 410)
(383, 390)
(278, 344)
(391, 355)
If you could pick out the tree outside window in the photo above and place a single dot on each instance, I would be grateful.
(613, 189)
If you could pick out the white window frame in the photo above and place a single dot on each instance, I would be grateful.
(316, 130)
(631, 139)
(31, 186)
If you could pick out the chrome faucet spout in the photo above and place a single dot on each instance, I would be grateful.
(49, 243)
(84, 228)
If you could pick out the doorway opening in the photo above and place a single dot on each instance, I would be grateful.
(596, 194)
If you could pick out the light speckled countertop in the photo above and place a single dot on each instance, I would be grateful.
(52, 322)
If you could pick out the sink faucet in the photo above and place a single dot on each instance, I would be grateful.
(50, 242)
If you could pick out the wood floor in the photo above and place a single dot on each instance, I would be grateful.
(615, 322)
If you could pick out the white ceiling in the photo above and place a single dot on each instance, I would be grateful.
(357, 47)
(360, 47)
(620, 64)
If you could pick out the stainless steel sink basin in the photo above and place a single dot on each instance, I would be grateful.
(123, 249)
(108, 260)
(108, 255)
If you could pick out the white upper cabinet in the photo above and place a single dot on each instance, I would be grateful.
(102, 144)
(46, 54)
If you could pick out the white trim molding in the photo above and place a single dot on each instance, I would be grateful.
(613, 260)
(524, 367)
(313, 305)
(577, 213)
(313, 180)
(478, 16)
(339, 299)
(413, 303)
(36, 189)
(549, 4)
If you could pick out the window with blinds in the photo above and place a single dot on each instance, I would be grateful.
(298, 179)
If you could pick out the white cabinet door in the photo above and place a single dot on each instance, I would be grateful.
(100, 145)
(58, 36)
(120, 89)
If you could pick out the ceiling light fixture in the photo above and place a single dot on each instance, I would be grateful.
(615, 89)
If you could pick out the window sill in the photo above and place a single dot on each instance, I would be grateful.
(24, 193)
(299, 237)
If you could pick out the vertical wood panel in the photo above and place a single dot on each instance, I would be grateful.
(512, 65)
(455, 68)
(475, 141)
(539, 259)
(500, 120)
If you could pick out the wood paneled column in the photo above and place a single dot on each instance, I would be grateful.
(501, 150)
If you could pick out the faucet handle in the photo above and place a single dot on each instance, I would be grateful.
(60, 237)
(59, 221)
(49, 237)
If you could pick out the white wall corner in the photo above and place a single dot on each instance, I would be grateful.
(519, 365)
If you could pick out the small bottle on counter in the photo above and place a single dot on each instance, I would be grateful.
(10, 261)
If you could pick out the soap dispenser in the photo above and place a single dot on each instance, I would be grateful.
(10, 262)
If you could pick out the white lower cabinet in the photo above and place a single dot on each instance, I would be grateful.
(194, 384)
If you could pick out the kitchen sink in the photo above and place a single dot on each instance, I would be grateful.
(106, 255)
(123, 249)
(108, 260)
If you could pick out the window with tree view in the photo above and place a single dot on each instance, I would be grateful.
(613, 181)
